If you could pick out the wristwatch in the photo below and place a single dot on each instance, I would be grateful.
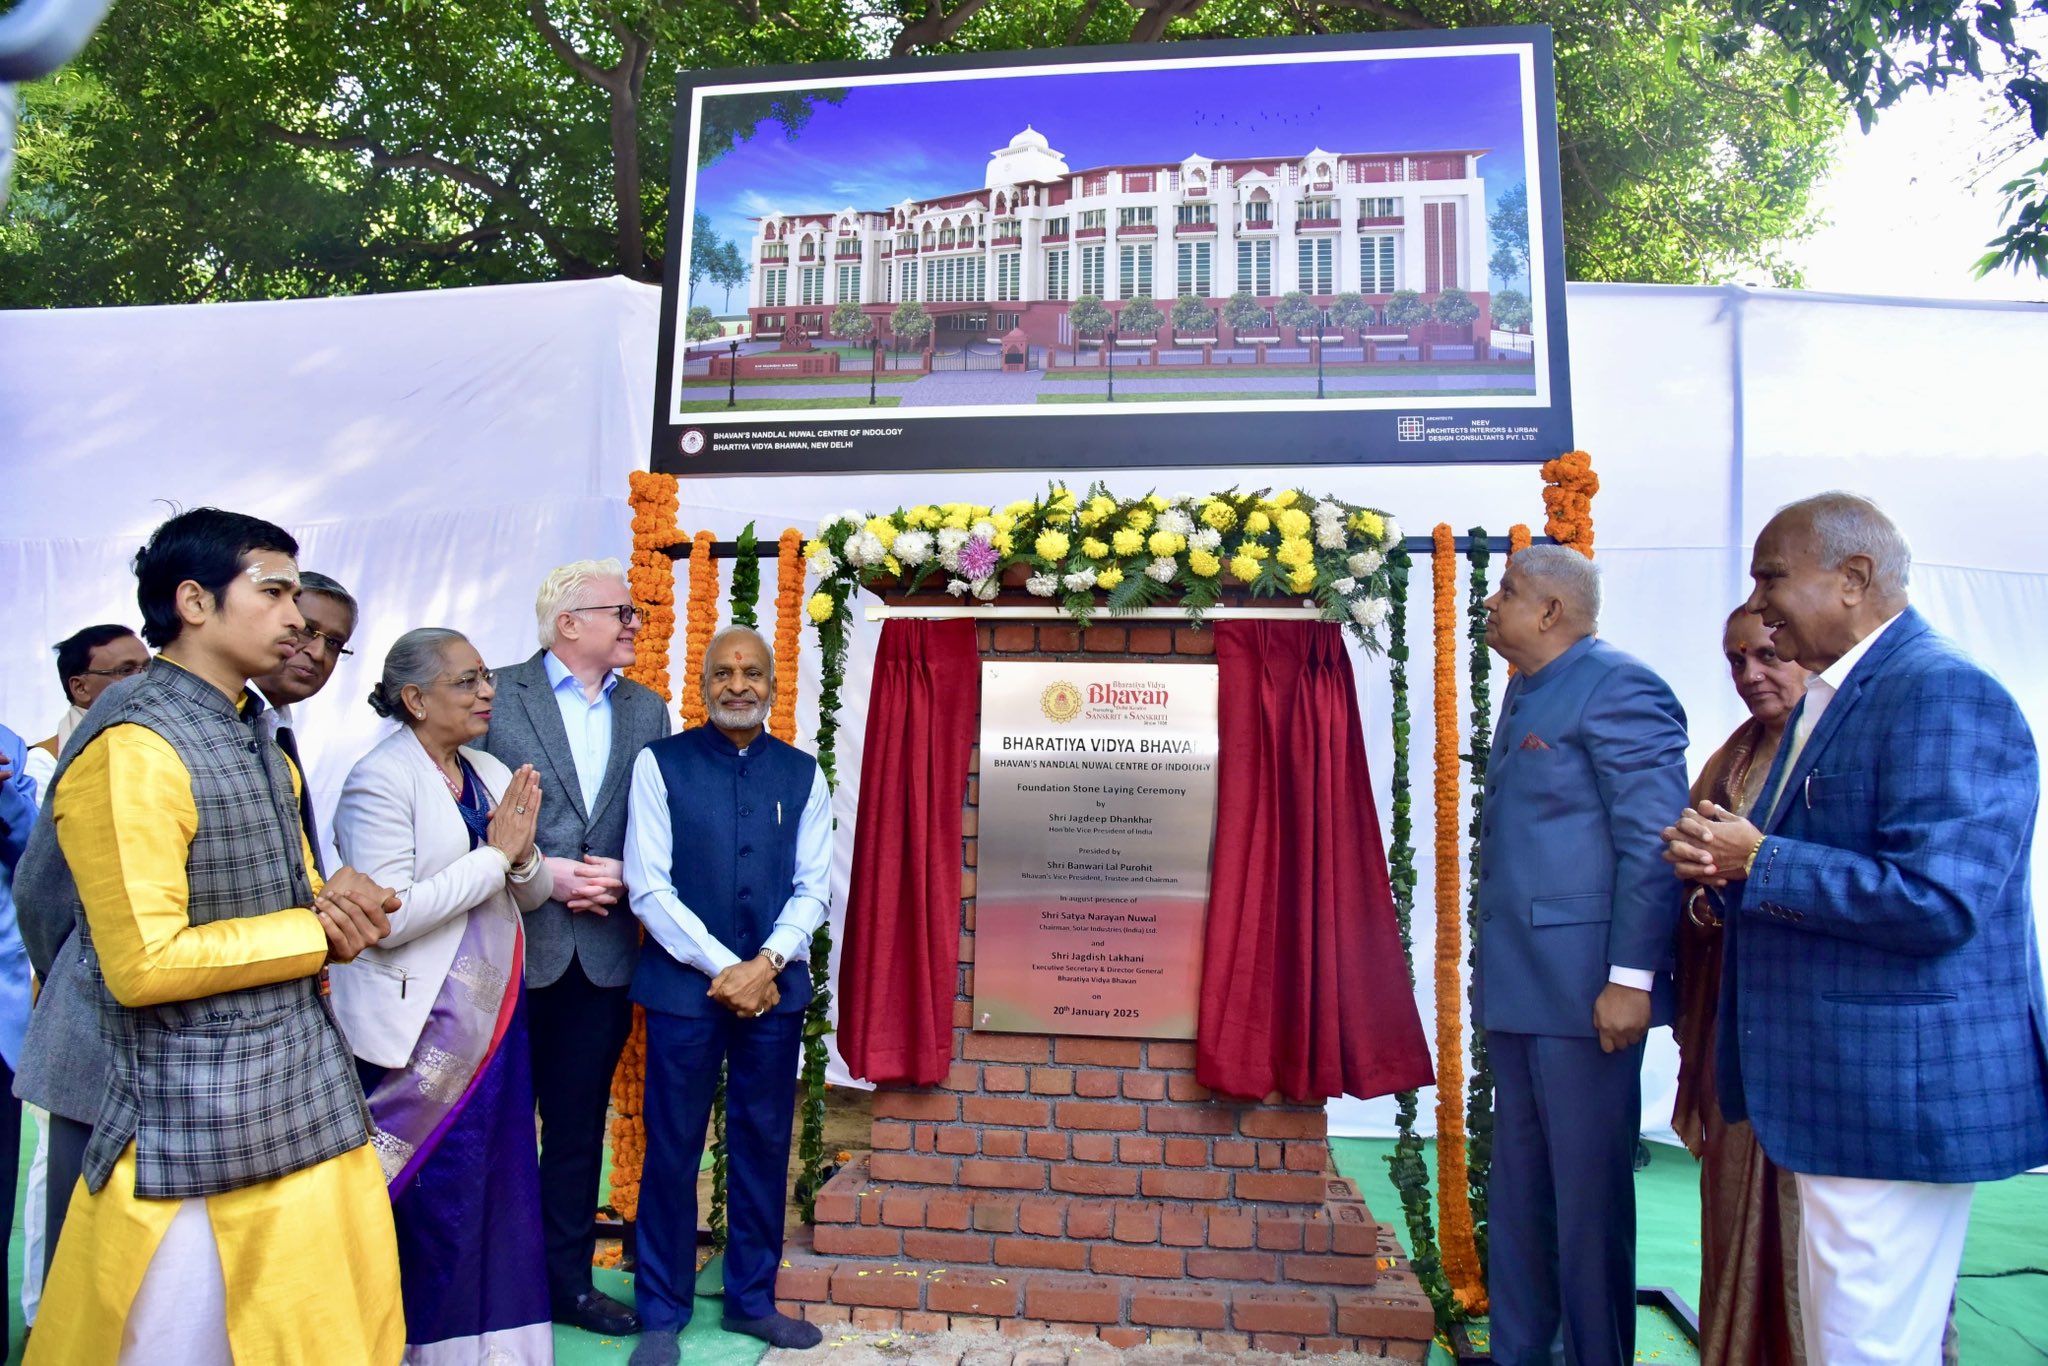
(775, 960)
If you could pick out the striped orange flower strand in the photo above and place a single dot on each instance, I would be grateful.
(1454, 1198)
(700, 624)
(789, 601)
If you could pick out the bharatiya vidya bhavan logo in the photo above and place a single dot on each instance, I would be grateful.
(1060, 702)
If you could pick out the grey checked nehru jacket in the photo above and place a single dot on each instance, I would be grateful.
(240, 1087)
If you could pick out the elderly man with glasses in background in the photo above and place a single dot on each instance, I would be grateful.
(88, 663)
(567, 713)
(330, 614)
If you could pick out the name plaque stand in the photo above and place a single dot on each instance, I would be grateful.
(1062, 1180)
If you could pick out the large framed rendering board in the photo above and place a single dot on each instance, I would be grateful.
(1334, 250)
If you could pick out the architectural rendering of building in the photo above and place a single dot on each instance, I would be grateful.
(1036, 236)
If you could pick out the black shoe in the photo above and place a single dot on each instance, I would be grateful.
(657, 1347)
(778, 1330)
(596, 1312)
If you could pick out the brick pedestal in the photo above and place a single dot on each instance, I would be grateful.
(1092, 1186)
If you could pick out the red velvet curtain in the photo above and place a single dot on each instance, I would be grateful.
(1304, 991)
(899, 971)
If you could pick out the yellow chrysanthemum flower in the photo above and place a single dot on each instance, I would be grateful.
(1369, 522)
(1257, 550)
(1295, 552)
(1002, 521)
(1166, 543)
(1257, 523)
(1101, 505)
(1292, 522)
(1110, 577)
(1244, 567)
(1127, 540)
(1222, 516)
(1094, 549)
(1285, 498)
(959, 517)
(889, 563)
(1157, 502)
(1019, 508)
(1204, 564)
(1140, 518)
(1089, 517)
(882, 529)
(811, 549)
(1302, 579)
(1052, 545)
(924, 516)
(1004, 542)
(820, 607)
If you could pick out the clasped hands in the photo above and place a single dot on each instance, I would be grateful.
(747, 989)
(590, 883)
(1710, 844)
(354, 911)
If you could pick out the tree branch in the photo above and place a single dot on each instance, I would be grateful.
(537, 11)
(937, 26)
(1080, 28)
(1155, 15)
(1406, 18)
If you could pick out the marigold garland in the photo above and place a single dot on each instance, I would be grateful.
(1569, 486)
(651, 583)
(700, 624)
(1460, 1254)
(789, 601)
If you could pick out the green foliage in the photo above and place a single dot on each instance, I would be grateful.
(1405, 308)
(1089, 316)
(1193, 318)
(1140, 317)
(850, 321)
(746, 578)
(1511, 310)
(1298, 311)
(721, 1166)
(1351, 310)
(1245, 313)
(700, 325)
(1507, 222)
(910, 321)
(810, 1148)
(1479, 1085)
(1454, 306)
(1875, 55)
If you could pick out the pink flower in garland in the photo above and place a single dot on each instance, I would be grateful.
(978, 560)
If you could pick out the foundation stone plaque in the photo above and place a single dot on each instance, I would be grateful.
(1098, 809)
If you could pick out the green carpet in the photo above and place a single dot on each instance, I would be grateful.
(2003, 1314)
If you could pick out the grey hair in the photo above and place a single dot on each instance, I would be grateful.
(1845, 524)
(1572, 576)
(565, 588)
(310, 582)
(414, 659)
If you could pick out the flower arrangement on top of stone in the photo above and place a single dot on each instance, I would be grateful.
(1096, 551)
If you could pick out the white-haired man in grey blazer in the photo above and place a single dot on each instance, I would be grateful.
(567, 712)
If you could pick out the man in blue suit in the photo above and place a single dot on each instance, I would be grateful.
(1882, 1019)
(1578, 926)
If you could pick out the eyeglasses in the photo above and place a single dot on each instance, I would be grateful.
(474, 679)
(334, 645)
(125, 671)
(628, 612)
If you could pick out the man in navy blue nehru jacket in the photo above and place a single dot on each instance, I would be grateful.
(728, 862)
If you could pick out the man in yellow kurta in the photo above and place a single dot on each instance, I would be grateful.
(231, 1209)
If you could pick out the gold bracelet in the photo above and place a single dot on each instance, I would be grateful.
(1750, 862)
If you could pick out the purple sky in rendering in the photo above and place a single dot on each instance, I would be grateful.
(886, 142)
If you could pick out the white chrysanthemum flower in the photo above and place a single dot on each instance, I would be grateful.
(1392, 533)
(958, 587)
(987, 589)
(1345, 586)
(1176, 521)
(1042, 585)
(1328, 511)
(823, 562)
(849, 517)
(913, 547)
(1080, 581)
(1365, 563)
(1369, 612)
(1206, 538)
(985, 529)
(951, 538)
(1162, 568)
(1330, 536)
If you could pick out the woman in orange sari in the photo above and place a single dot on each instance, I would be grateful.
(1749, 1213)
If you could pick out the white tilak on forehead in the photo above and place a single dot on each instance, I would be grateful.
(261, 572)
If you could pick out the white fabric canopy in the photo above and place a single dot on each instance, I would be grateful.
(438, 452)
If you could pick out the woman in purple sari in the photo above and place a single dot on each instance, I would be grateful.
(436, 1013)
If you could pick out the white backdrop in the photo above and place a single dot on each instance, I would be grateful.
(438, 452)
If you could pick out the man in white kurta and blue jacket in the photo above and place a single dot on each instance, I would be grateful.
(728, 859)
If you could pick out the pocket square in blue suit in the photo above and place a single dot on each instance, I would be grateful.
(1532, 741)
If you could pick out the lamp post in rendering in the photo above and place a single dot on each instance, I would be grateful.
(1109, 340)
(732, 375)
(1322, 329)
(874, 365)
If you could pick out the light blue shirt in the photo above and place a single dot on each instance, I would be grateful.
(18, 816)
(650, 860)
(588, 723)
